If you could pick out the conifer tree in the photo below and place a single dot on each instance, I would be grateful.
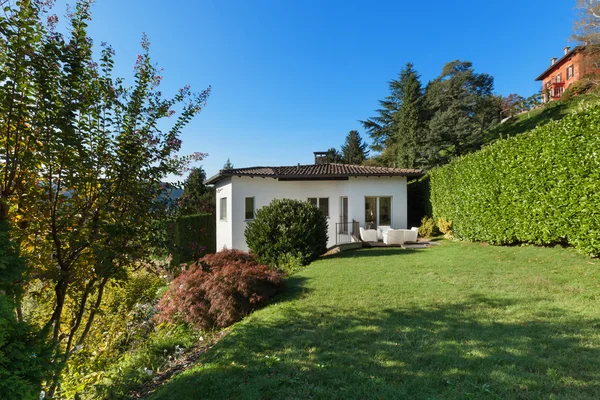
(228, 164)
(408, 119)
(354, 150)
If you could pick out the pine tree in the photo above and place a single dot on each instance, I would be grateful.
(228, 164)
(398, 129)
(197, 197)
(334, 156)
(354, 150)
(408, 119)
(380, 127)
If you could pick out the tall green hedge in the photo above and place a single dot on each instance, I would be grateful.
(541, 187)
(193, 237)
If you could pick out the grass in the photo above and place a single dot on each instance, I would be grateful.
(549, 112)
(455, 321)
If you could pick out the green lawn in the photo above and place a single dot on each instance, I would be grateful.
(455, 321)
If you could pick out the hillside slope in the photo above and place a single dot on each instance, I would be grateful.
(541, 116)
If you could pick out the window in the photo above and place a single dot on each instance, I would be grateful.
(223, 209)
(559, 78)
(385, 211)
(322, 203)
(378, 212)
(570, 71)
(249, 207)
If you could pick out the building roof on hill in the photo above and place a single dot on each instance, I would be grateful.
(558, 62)
(314, 172)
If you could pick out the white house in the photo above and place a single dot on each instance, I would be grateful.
(349, 195)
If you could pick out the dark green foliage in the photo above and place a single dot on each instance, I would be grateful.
(193, 236)
(287, 229)
(197, 197)
(11, 266)
(380, 127)
(540, 187)
(334, 156)
(417, 129)
(24, 359)
(418, 203)
(354, 150)
(462, 107)
(408, 125)
(228, 164)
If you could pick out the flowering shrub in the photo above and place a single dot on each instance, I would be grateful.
(218, 290)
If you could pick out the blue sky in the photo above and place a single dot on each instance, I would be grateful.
(293, 77)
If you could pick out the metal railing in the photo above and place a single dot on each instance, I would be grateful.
(346, 232)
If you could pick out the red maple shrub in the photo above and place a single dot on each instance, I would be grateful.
(218, 290)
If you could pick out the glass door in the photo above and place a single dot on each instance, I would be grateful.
(344, 214)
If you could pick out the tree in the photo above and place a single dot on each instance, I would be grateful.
(408, 119)
(354, 151)
(586, 30)
(398, 130)
(462, 108)
(513, 104)
(228, 165)
(334, 156)
(197, 197)
(380, 128)
(83, 158)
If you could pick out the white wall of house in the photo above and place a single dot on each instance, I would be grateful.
(224, 226)
(230, 233)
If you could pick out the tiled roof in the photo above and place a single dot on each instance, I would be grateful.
(557, 63)
(315, 171)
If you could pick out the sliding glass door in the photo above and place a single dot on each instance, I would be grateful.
(378, 211)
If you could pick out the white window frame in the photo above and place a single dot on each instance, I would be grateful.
(570, 71)
(223, 209)
(378, 209)
(319, 204)
(253, 208)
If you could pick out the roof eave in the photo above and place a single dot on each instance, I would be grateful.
(556, 64)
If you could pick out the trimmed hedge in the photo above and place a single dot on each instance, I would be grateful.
(541, 187)
(193, 237)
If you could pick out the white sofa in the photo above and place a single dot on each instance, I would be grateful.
(411, 235)
(394, 236)
(368, 235)
(381, 229)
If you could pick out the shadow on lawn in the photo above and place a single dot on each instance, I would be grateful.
(453, 351)
(376, 252)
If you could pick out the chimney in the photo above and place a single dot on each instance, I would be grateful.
(553, 60)
(567, 50)
(320, 157)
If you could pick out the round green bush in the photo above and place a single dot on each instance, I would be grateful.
(287, 229)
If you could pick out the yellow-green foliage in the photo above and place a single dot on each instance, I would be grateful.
(541, 187)
(427, 228)
(444, 226)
